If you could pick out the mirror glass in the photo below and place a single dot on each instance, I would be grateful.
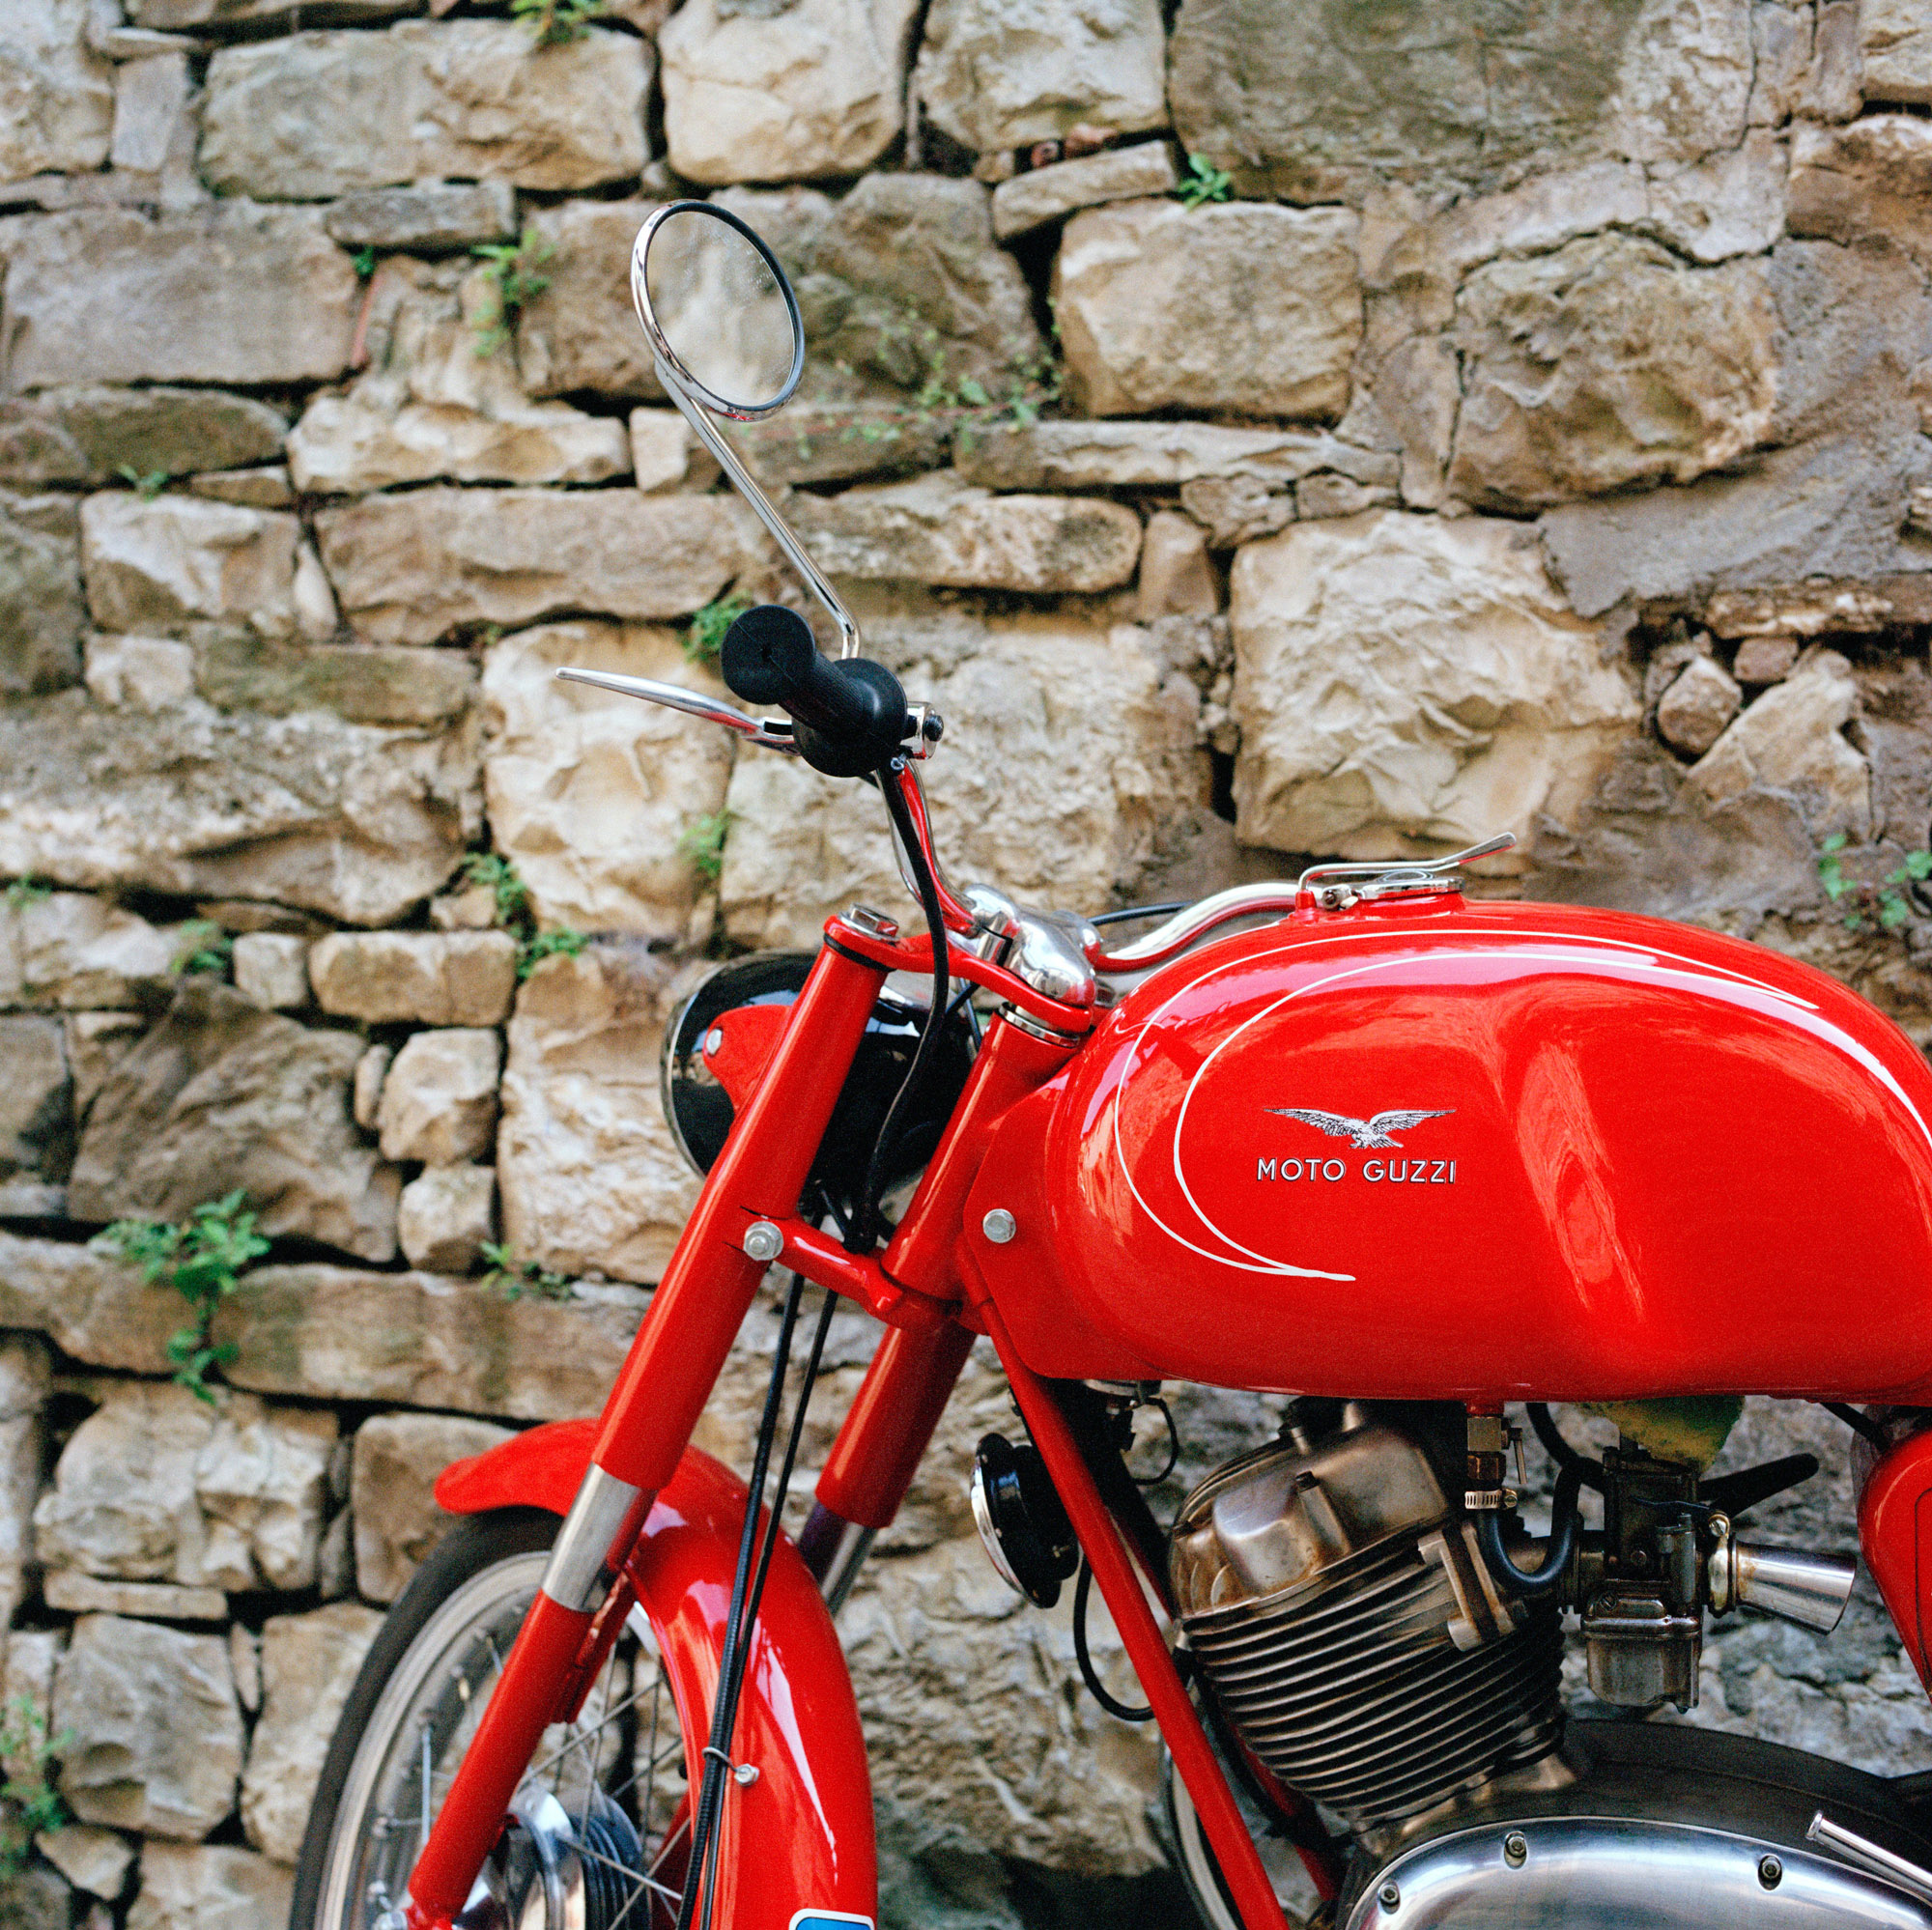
(721, 307)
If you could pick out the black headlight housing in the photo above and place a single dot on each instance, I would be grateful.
(699, 1111)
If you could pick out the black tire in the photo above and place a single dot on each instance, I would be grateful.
(417, 1680)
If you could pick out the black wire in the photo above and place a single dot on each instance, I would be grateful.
(1543, 1422)
(1138, 911)
(1173, 1447)
(866, 1218)
(724, 1714)
(1081, 1589)
(1861, 1425)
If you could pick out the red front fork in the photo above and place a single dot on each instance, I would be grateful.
(647, 1421)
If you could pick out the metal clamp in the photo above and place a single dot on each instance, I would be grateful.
(1384, 880)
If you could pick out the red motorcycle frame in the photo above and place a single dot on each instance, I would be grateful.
(630, 1486)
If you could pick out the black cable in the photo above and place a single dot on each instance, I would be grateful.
(1861, 1425)
(1173, 1446)
(1081, 1589)
(866, 1217)
(1138, 911)
(1564, 1517)
(1543, 1422)
(724, 1714)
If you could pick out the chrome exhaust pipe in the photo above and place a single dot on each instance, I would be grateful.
(1808, 1589)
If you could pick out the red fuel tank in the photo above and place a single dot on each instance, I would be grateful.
(1481, 1152)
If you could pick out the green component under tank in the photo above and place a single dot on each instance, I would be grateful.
(1691, 1428)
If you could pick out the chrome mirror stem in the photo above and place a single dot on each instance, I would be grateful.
(699, 416)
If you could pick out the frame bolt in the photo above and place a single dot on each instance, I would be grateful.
(1389, 1896)
(1516, 1849)
(1770, 1872)
(998, 1226)
(763, 1241)
(744, 1774)
(870, 919)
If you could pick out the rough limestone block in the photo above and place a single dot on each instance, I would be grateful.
(1003, 73)
(93, 1860)
(1236, 509)
(160, 1731)
(398, 1458)
(25, 1383)
(1606, 364)
(1871, 178)
(434, 217)
(305, 810)
(1246, 307)
(158, 1487)
(439, 1101)
(36, 1099)
(1055, 801)
(43, 617)
(202, 1889)
(1312, 105)
(308, 1664)
(814, 88)
(575, 334)
(589, 1176)
(152, 566)
(73, 951)
(106, 295)
(940, 531)
(664, 453)
(445, 1217)
(271, 968)
(332, 1333)
(1700, 701)
(365, 1091)
(1791, 739)
(1177, 579)
(150, 111)
(1897, 47)
(1406, 684)
(1765, 659)
(426, 99)
(138, 672)
(361, 684)
(408, 568)
(440, 978)
(1031, 200)
(85, 434)
(222, 1094)
(74, 1594)
(56, 94)
(595, 798)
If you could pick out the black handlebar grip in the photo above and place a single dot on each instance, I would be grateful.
(851, 716)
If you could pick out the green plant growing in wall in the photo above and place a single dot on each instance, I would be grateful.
(555, 23)
(515, 284)
(202, 1259)
(27, 890)
(363, 261)
(702, 844)
(1203, 182)
(703, 637)
(520, 1279)
(1884, 904)
(29, 1801)
(512, 896)
(149, 484)
(205, 947)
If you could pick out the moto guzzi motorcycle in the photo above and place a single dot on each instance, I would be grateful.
(1422, 1164)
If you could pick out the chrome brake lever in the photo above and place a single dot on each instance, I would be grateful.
(773, 732)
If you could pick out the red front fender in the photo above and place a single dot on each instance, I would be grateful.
(798, 1840)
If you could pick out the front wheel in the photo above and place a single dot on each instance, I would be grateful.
(600, 1825)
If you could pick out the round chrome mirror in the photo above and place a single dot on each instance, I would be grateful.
(718, 308)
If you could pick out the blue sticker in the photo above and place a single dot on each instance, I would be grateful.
(827, 1919)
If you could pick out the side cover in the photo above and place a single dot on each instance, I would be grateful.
(1481, 1152)
(800, 1838)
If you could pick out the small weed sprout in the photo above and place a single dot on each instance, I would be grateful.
(1203, 182)
(513, 273)
(702, 844)
(363, 260)
(1884, 904)
(202, 1259)
(205, 947)
(27, 890)
(29, 1801)
(148, 485)
(523, 1279)
(555, 23)
(515, 916)
(704, 635)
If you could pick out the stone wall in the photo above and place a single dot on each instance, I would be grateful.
(1501, 431)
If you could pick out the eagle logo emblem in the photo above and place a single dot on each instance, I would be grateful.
(1369, 1132)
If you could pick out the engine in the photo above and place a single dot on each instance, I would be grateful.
(1338, 1605)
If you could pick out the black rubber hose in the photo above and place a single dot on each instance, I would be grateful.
(1565, 1518)
(1543, 1422)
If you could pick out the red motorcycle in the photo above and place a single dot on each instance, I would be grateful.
(1407, 1158)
